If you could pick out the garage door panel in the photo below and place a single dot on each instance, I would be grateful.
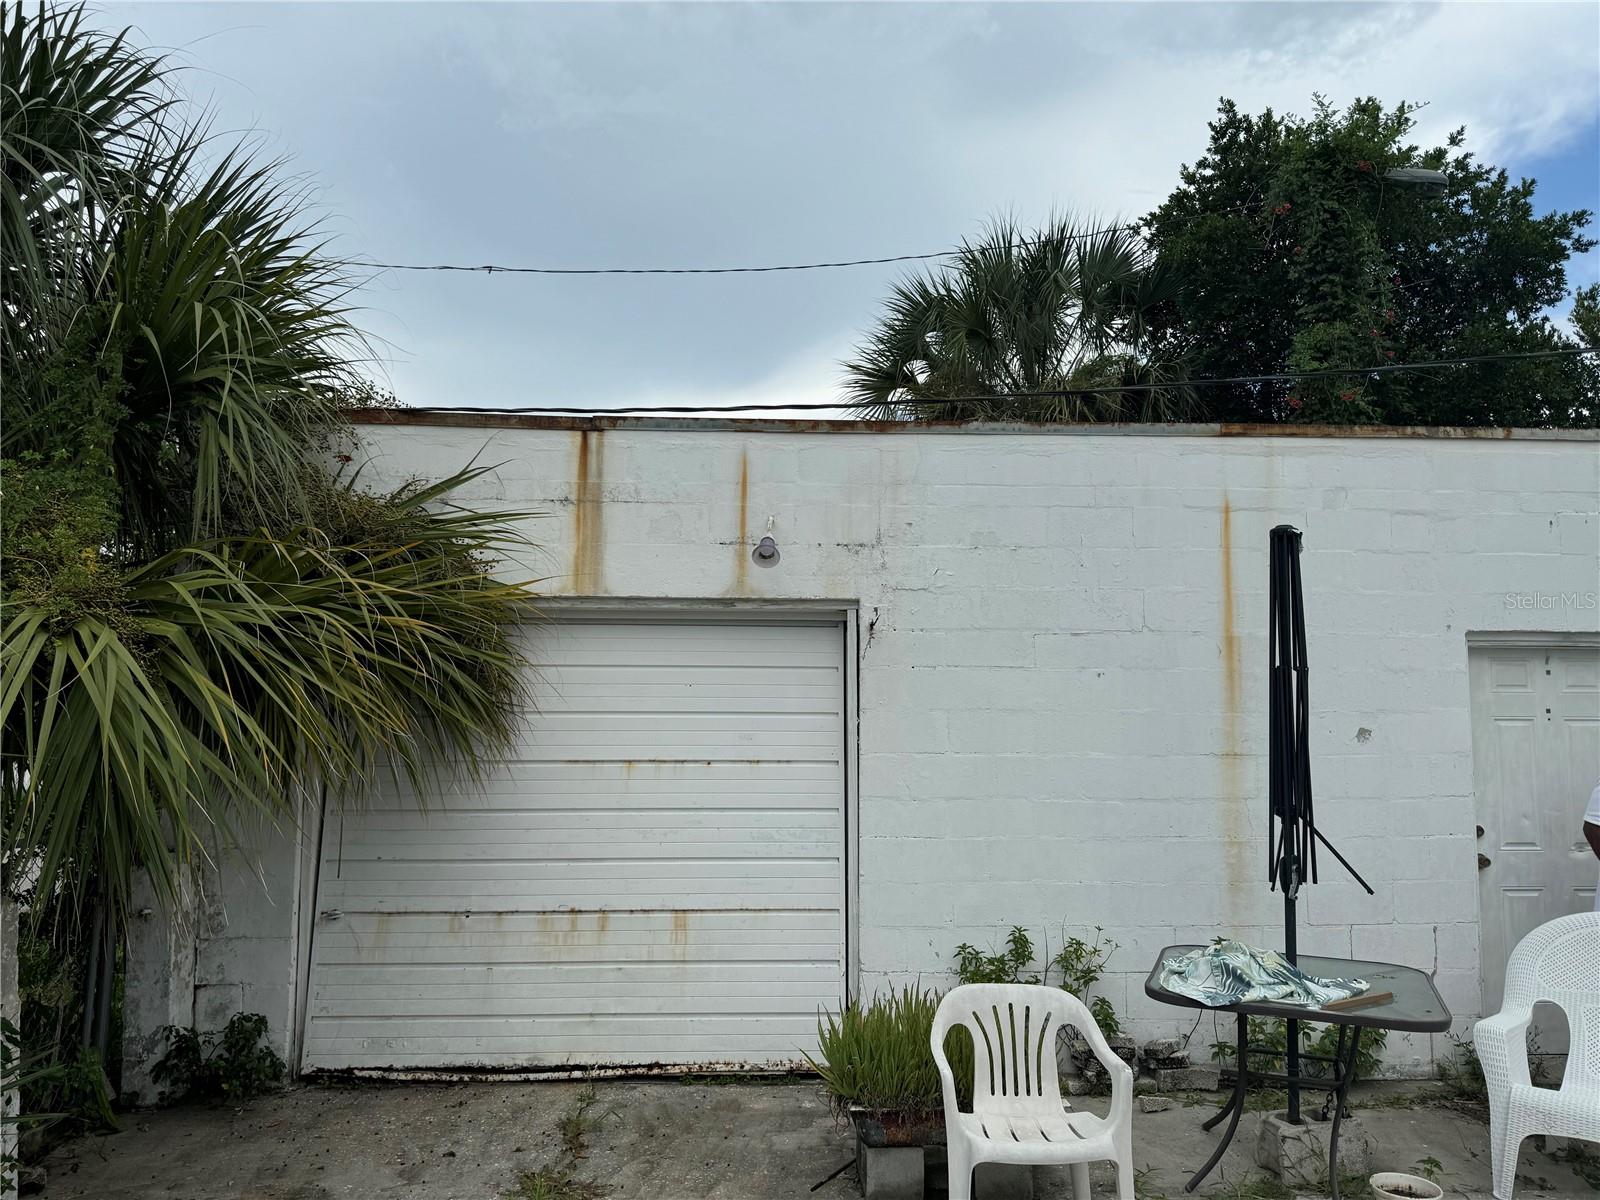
(642, 657)
(702, 692)
(604, 923)
(543, 1008)
(685, 937)
(726, 745)
(491, 953)
(625, 777)
(688, 1052)
(517, 860)
(490, 1035)
(623, 976)
(577, 823)
(534, 793)
(385, 898)
(716, 864)
(655, 875)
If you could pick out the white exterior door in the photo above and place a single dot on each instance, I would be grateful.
(1536, 759)
(656, 877)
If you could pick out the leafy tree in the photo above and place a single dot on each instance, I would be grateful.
(1299, 255)
(202, 616)
(1586, 315)
(1063, 308)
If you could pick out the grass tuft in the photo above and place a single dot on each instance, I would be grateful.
(559, 1180)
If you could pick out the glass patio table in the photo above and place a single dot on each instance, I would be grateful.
(1415, 1008)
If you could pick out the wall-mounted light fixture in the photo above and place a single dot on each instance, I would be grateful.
(766, 552)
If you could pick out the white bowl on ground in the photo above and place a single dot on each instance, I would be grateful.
(1397, 1185)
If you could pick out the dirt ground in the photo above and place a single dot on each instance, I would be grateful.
(663, 1140)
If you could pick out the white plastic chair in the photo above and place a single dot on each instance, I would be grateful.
(1017, 1114)
(1558, 962)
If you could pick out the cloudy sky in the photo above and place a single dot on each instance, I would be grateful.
(706, 135)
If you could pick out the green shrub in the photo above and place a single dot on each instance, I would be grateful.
(1269, 1039)
(1003, 966)
(231, 1065)
(1078, 965)
(877, 1055)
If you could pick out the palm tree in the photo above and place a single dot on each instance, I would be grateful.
(1067, 311)
(202, 617)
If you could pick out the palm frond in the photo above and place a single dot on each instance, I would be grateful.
(77, 107)
(1017, 312)
(192, 269)
(239, 670)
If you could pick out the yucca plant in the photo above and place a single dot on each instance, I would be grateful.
(876, 1056)
(201, 618)
(1067, 309)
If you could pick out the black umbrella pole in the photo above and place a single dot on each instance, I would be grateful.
(1291, 1052)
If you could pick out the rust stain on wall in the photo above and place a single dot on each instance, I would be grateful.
(1235, 849)
(741, 543)
(680, 929)
(588, 514)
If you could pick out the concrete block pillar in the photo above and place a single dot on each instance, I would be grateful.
(251, 903)
(159, 988)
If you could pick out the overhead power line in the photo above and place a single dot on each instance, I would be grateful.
(494, 269)
(1052, 394)
(497, 269)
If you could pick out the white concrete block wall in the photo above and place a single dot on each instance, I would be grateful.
(228, 944)
(1061, 673)
(247, 958)
(159, 985)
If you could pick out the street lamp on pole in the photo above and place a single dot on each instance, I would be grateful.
(1425, 180)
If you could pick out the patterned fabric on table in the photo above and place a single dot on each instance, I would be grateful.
(1229, 972)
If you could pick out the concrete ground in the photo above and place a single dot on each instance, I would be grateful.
(664, 1140)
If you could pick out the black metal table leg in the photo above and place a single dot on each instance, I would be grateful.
(1233, 1109)
(1346, 1069)
(1338, 1070)
(1228, 1106)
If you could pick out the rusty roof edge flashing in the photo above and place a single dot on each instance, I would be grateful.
(445, 418)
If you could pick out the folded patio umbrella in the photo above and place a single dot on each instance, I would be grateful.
(1230, 972)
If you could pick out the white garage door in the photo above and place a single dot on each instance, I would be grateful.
(657, 877)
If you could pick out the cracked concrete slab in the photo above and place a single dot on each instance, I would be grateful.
(663, 1140)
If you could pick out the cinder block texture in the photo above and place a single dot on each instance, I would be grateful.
(1298, 1154)
(159, 986)
(889, 1172)
(1002, 1181)
(1062, 693)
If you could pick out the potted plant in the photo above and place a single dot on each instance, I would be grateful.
(880, 1075)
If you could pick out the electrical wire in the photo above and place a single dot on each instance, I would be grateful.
(497, 269)
(1054, 394)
